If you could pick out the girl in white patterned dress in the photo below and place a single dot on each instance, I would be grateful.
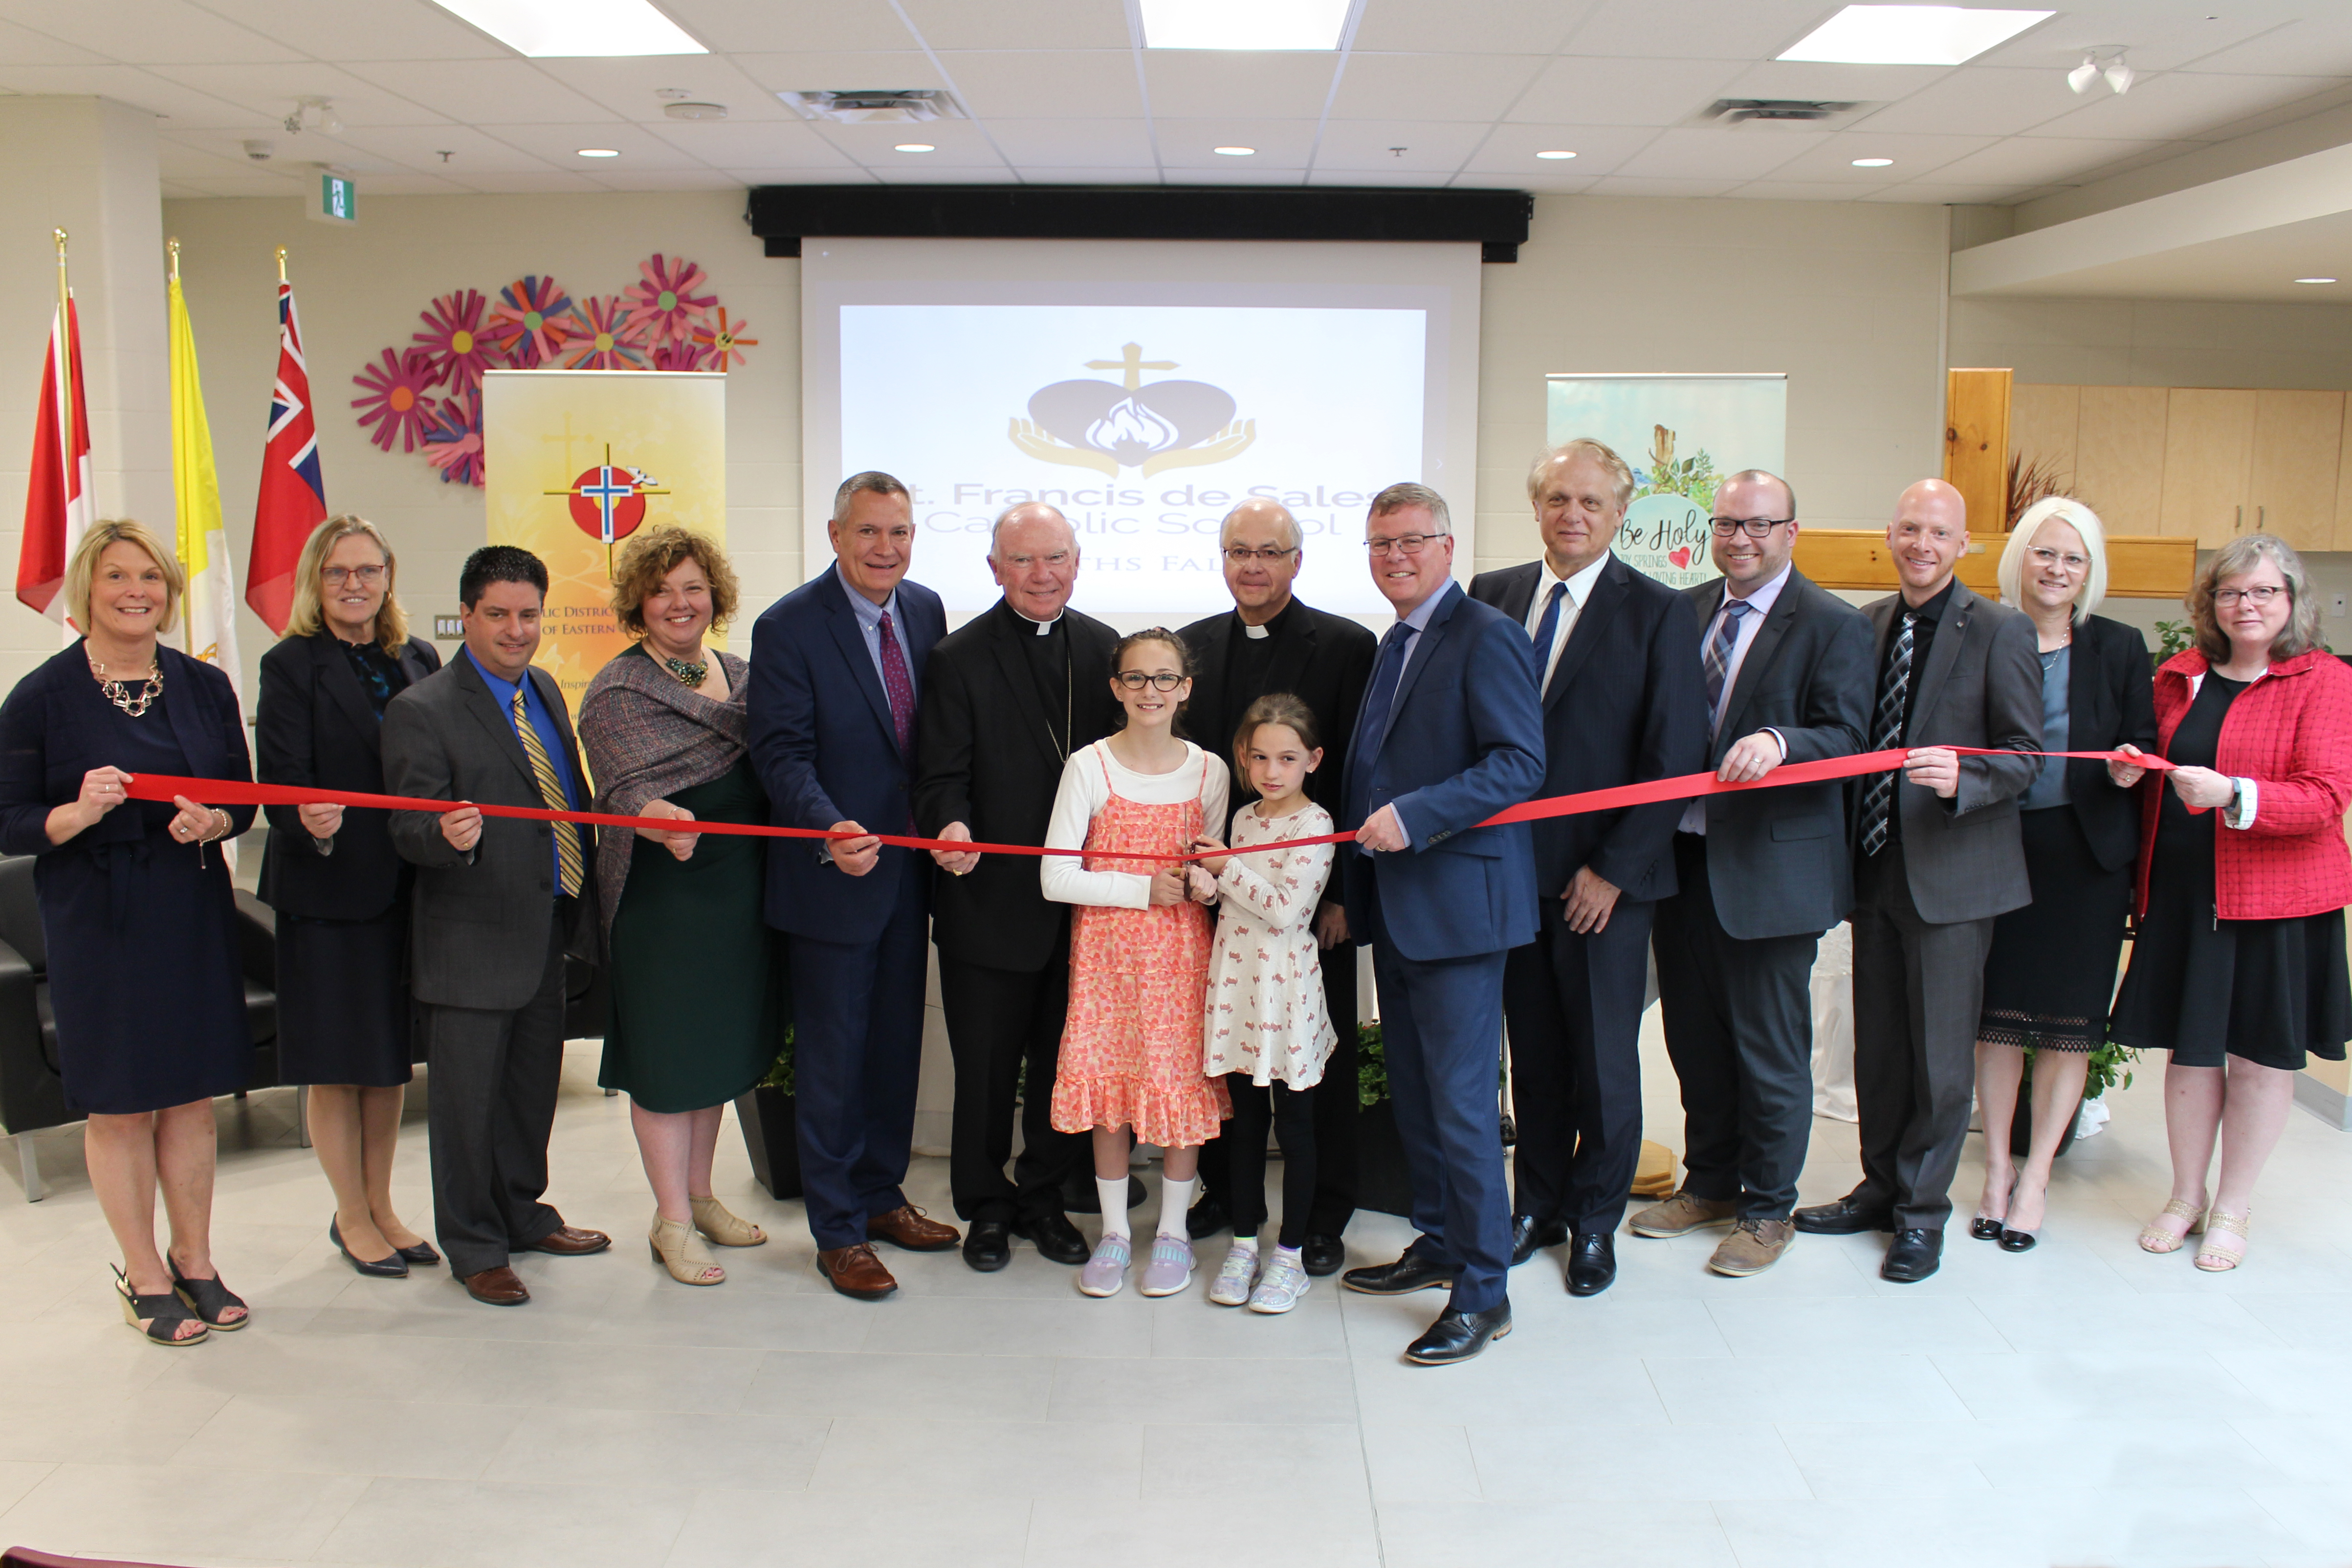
(1264, 1029)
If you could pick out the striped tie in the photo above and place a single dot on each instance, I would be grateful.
(550, 791)
(1717, 660)
(1877, 801)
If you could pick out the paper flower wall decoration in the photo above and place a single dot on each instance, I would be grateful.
(396, 401)
(531, 321)
(723, 340)
(605, 340)
(663, 305)
(680, 356)
(454, 445)
(456, 341)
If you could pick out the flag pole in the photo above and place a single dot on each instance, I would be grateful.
(281, 267)
(172, 248)
(64, 342)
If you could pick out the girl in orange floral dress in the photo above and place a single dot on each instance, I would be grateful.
(1130, 1056)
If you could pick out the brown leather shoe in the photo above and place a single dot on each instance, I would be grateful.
(855, 1272)
(569, 1241)
(908, 1227)
(500, 1287)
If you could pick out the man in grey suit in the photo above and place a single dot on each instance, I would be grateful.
(1937, 858)
(1758, 876)
(500, 901)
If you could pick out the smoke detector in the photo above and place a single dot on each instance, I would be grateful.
(1784, 113)
(688, 110)
(874, 106)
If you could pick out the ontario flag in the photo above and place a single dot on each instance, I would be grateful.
(293, 499)
(58, 503)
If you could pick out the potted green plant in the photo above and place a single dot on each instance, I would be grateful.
(2109, 1063)
(771, 1132)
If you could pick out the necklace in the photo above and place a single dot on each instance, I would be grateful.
(688, 674)
(118, 692)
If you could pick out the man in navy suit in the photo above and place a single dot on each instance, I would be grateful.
(1617, 654)
(832, 696)
(1451, 731)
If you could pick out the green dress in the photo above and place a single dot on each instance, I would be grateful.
(698, 1006)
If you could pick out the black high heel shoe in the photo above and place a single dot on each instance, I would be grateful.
(1985, 1229)
(2019, 1240)
(392, 1268)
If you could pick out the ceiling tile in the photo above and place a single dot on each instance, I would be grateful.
(1696, 30)
(484, 92)
(2320, 43)
(1490, 27)
(939, 174)
(1545, 184)
(1430, 149)
(2032, 160)
(1804, 191)
(1431, 87)
(1075, 143)
(1624, 91)
(1978, 100)
(792, 26)
(1193, 143)
(183, 106)
(743, 143)
(1599, 148)
(1620, 186)
(412, 185)
(1691, 154)
(272, 91)
(808, 72)
(2172, 104)
(1043, 84)
(1819, 79)
(1192, 83)
(146, 32)
(364, 29)
(418, 149)
(1373, 179)
(693, 179)
(532, 183)
(1083, 175)
(1913, 156)
(22, 46)
(631, 88)
(557, 147)
(1071, 23)
(1286, 175)
(959, 141)
(2160, 33)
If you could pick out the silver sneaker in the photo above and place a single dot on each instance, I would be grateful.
(1170, 1268)
(1234, 1280)
(1283, 1284)
(1106, 1271)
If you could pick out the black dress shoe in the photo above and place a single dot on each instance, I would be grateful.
(1458, 1336)
(1322, 1255)
(392, 1268)
(1057, 1240)
(988, 1245)
(1528, 1236)
(1847, 1216)
(1407, 1274)
(2019, 1240)
(1591, 1262)
(1984, 1229)
(1916, 1252)
(1206, 1218)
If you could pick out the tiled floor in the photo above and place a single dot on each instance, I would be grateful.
(2081, 1404)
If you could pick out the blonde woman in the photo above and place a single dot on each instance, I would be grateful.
(2052, 970)
(137, 912)
(339, 889)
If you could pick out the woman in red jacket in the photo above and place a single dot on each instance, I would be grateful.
(2239, 953)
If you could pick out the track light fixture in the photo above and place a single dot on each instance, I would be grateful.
(2119, 76)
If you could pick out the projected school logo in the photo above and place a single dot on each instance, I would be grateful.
(1107, 426)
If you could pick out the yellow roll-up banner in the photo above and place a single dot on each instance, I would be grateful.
(578, 461)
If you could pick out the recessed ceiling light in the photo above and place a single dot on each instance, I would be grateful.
(1244, 24)
(1872, 162)
(600, 152)
(1233, 152)
(2315, 279)
(1557, 153)
(914, 147)
(552, 29)
(1910, 35)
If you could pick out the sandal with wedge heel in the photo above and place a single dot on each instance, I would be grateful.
(164, 1312)
(2155, 1237)
(2211, 1258)
(211, 1301)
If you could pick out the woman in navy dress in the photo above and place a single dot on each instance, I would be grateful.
(137, 912)
(339, 889)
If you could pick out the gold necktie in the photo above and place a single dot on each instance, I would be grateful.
(550, 791)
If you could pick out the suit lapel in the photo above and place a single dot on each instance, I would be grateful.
(342, 684)
(1608, 591)
(1023, 684)
(495, 720)
(1292, 654)
(192, 729)
(1418, 656)
(1761, 650)
(1942, 654)
(1519, 591)
(1209, 681)
(2084, 710)
(413, 665)
(841, 620)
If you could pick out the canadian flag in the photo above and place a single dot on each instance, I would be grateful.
(58, 506)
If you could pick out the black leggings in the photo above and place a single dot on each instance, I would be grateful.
(1292, 1113)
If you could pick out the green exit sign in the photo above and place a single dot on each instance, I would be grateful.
(339, 200)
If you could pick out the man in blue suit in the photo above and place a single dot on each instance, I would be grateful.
(1451, 731)
(834, 666)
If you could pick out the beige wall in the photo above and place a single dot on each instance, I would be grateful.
(2156, 343)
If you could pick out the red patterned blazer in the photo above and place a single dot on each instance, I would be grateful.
(2291, 732)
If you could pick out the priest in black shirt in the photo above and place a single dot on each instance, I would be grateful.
(1272, 642)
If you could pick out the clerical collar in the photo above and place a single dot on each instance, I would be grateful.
(1259, 633)
(1255, 634)
(1045, 628)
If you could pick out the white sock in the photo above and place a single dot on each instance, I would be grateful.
(1290, 1255)
(1113, 1194)
(1175, 1197)
(1246, 1244)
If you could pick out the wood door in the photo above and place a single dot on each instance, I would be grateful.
(2298, 437)
(2209, 448)
(1976, 444)
(2119, 456)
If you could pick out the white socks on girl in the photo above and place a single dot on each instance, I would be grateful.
(1175, 1199)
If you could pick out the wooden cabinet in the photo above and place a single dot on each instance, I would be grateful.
(2209, 451)
(2298, 439)
(2119, 456)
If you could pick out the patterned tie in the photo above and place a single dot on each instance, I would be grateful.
(897, 686)
(1878, 800)
(550, 791)
(1717, 660)
(1549, 627)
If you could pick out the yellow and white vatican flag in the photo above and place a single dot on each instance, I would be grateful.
(211, 609)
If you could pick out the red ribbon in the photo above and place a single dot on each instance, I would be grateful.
(233, 792)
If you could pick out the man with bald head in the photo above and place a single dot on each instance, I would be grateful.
(1006, 699)
(1937, 858)
(1270, 641)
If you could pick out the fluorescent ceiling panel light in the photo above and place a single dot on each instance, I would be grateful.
(1873, 163)
(1910, 35)
(914, 147)
(1235, 152)
(554, 29)
(600, 152)
(1557, 153)
(2315, 279)
(1244, 24)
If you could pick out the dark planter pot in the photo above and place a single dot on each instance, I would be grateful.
(2020, 1126)
(772, 1137)
(1382, 1184)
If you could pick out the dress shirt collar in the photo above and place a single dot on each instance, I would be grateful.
(1764, 597)
(1932, 610)
(1579, 582)
(869, 614)
(500, 687)
(1418, 621)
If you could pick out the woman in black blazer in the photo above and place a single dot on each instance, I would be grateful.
(339, 890)
(2051, 975)
(137, 912)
